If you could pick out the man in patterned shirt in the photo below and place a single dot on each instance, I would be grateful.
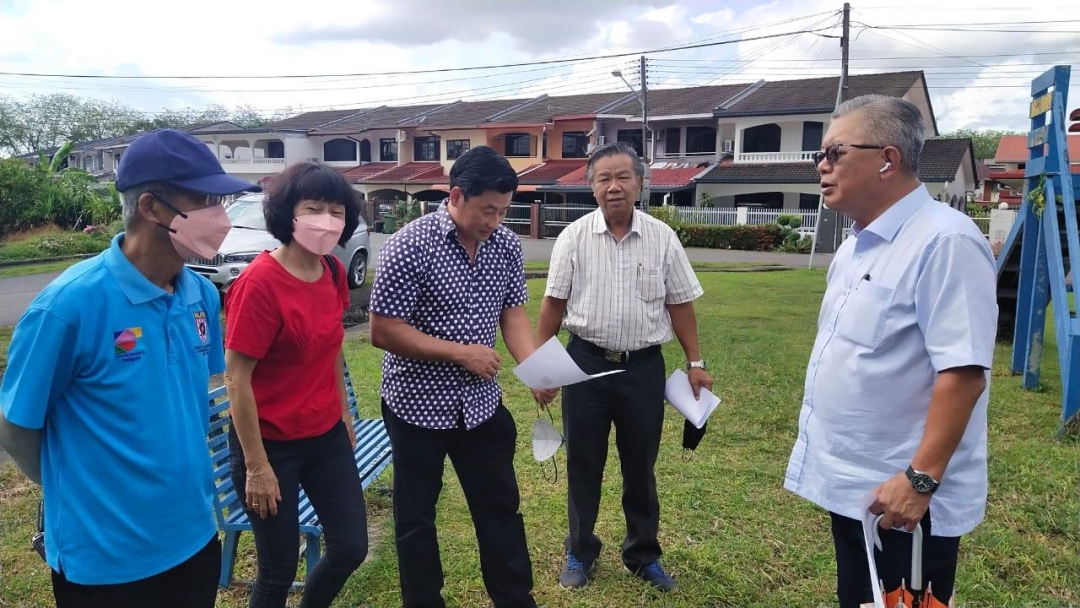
(624, 283)
(444, 284)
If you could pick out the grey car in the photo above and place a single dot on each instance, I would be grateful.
(248, 238)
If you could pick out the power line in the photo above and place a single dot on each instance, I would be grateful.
(884, 58)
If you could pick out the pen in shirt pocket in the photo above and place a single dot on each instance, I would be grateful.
(865, 277)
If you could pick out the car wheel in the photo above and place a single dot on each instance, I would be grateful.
(358, 270)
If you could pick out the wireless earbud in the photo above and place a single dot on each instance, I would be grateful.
(887, 166)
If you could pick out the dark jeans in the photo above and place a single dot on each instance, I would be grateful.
(324, 465)
(192, 584)
(893, 561)
(634, 402)
(484, 461)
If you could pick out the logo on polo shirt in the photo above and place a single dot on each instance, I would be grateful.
(127, 344)
(200, 324)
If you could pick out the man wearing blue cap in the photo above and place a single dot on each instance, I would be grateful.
(104, 398)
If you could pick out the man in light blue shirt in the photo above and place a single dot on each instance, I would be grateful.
(104, 401)
(893, 419)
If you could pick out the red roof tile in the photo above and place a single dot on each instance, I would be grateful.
(549, 171)
(1013, 149)
(409, 172)
(665, 176)
(366, 171)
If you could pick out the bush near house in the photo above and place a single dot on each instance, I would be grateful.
(745, 238)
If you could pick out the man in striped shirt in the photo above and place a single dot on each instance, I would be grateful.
(624, 284)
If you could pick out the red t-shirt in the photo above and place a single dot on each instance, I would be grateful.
(294, 329)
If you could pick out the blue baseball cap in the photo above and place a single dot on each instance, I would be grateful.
(180, 159)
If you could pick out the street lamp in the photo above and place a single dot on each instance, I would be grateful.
(645, 157)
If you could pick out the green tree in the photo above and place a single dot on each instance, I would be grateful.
(984, 141)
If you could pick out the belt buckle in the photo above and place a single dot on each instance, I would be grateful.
(615, 356)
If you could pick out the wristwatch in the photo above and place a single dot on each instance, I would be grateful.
(698, 364)
(923, 483)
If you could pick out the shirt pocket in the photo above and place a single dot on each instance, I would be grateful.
(862, 319)
(650, 283)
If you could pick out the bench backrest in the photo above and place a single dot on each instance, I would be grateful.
(226, 499)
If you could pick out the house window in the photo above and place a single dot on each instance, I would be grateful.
(809, 202)
(632, 137)
(673, 141)
(339, 150)
(456, 147)
(763, 138)
(700, 140)
(575, 144)
(388, 149)
(365, 151)
(426, 149)
(761, 200)
(518, 144)
(275, 149)
(811, 135)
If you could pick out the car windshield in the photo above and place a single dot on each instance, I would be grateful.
(246, 215)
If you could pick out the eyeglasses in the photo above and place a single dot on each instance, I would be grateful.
(210, 200)
(832, 153)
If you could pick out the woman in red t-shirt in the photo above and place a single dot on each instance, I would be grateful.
(286, 381)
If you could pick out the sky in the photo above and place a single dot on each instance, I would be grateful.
(979, 58)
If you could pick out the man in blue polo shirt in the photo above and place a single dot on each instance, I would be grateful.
(104, 398)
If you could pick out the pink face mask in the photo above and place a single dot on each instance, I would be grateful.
(199, 233)
(318, 233)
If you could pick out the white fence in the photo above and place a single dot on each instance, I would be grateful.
(744, 216)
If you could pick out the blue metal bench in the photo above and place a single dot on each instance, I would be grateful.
(372, 455)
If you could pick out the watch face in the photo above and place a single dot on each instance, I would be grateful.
(922, 483)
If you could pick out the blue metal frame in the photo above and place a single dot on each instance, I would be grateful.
(1042, 261)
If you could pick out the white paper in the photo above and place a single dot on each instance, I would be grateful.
(869, 522)
(550, 366)
(680, 395)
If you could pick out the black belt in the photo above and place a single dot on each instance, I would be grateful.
(617, 356)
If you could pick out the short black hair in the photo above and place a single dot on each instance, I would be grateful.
(308, 181)
(482, 169)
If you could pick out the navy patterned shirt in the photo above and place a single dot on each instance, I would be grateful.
(424, 276)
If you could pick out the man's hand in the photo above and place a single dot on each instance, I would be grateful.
(699, 378)
(544, 396)
(899, 503)
(350, 430)
(479, 359)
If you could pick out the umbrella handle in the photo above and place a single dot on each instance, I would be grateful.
(916, 552)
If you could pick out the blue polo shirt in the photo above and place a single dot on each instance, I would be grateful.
(115, 370)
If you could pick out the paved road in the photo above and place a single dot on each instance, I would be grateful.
(16, 293)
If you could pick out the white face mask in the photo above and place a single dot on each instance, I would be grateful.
(546, 441)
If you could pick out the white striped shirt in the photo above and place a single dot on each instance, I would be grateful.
(617, 290)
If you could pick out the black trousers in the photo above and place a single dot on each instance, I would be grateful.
(634, 402)
(893, 561)
(484, 461)
(324, 465)
(192, 584)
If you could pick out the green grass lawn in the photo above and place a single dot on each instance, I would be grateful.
(732, 535)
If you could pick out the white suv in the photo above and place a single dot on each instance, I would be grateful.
(248, 238)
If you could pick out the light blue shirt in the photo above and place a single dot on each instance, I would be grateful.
(115, 370)
(910, 295)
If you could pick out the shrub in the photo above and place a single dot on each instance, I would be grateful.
(790, 241)
(669, 215)
(745, 238)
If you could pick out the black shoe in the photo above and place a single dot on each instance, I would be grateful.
(655, 576)
(575, 574)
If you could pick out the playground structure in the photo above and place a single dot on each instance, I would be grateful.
(1036, 258)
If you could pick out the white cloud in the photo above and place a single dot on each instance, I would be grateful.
(204, 37)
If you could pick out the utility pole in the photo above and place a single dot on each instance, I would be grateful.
(845, 46)
(646, 150)
(828, 216)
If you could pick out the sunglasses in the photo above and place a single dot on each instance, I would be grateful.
(832, 153)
